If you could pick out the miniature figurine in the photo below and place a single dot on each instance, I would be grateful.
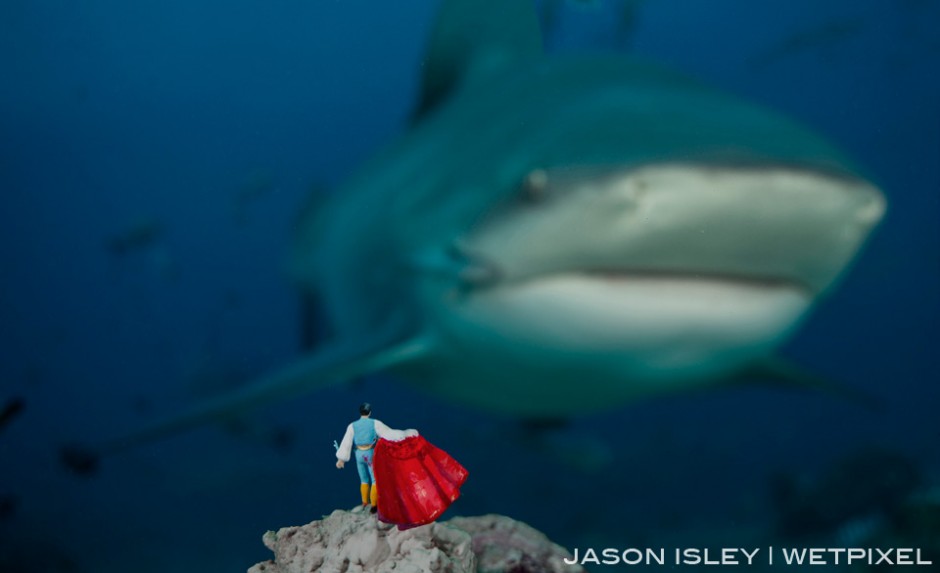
(364, 434)
(419, 481)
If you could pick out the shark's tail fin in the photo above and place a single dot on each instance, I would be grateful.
(473, 38)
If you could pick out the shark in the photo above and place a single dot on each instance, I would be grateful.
(558, 235)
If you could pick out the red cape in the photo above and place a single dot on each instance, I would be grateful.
(416, 481)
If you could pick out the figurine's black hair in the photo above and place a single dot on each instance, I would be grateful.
(365, 409)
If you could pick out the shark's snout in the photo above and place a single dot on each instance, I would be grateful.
(768, 224)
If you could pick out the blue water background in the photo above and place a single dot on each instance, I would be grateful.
(117, 113)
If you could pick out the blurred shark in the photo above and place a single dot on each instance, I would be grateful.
(559, 236)
(146, 236)
(140, 236)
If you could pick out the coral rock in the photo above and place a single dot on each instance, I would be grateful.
(502, 544)
(354, 541)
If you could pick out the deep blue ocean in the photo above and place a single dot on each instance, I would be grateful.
(153, 158)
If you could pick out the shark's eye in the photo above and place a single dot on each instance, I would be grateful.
(534, 188)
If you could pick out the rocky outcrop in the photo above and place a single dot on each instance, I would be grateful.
(355, 541)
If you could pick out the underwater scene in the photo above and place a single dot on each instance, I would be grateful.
(655, 280)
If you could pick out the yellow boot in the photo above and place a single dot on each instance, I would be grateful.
(364, 492)
(374, 496)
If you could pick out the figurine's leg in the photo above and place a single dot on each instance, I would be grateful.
(364, 465)
(373, 493)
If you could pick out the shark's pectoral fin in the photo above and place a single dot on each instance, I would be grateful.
(783, 373)
(324, 368)
(473, 39)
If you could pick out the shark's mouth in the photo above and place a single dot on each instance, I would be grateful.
(477, 275)
(632, 275)
(483, 275)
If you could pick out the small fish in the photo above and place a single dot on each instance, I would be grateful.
(137, 237)
(258, 185)
(816, 38)
(8, 505)
(11, 410)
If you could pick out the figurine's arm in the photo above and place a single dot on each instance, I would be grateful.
(345, 448)
(387, 433)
